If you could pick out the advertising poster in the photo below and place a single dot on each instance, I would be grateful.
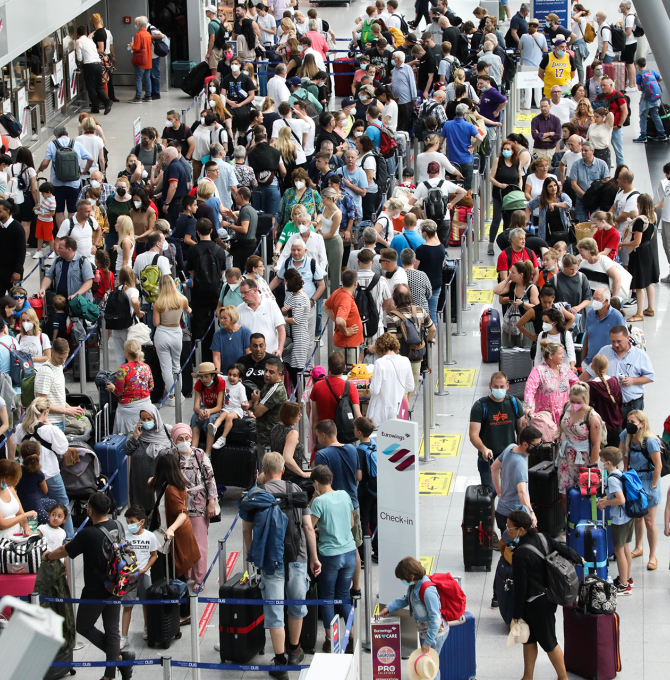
(540, 9)
(137, 130)
(386, 660)
(72, 74)
(22, 109)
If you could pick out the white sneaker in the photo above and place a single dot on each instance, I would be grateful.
(38, 255)
(211, 429)
(124, 642)
(217, 647)
(219, 443)
(51, 255)
(144, 634)
(170, 402)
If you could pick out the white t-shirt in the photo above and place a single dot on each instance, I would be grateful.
(391, 109)
(602, 266)
(82, 235)
(309, 141)
(131, 294)
(233, 397)
(564, 110)
(536, 187)
(93, 144)
(428, 157)
(399, 276)
(320, 64)
(604, 34)
(579, 27)
(569, 157)
(369, 163)
(600, 135)
(58, 445)
(392, 21)
(629, 22)
(266, 319)
(664, 193)
(34, 345)
(145, 259)
(143, 544)
(55, 537)
(625, 203)
(380, 293)
(50, 380)
(268, 21)
(299, 128)
(27, 174)
(447, 187)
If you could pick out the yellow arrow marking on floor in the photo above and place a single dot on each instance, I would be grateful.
(447, 445)
(524, 116)
(435, 483)
(519, 129)
(485, 273)
(477, 296)
(459, 377)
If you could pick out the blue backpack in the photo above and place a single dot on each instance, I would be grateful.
(651, 90)
(20, 364)
(370, 451)
(637, 504)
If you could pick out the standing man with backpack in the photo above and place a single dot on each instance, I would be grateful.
(648, 83)
(149, 267)
(217, 38)
(65, 156)
(618, 104)
(93, 543)
(372, 297)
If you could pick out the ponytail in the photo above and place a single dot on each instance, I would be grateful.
(599, 366)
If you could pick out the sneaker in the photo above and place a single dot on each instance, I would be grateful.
(640, 140)
(147, 99)
(494, 603)
(219, 443)
(38, 255)
(211, 429)
(170, 402)
(489, 250)
(217, 647)
(294, 658)
(51, 255)
(666, 279)
(154, 97)
(124, 642)
(624, 590)
(144, 634)
(135, 100)
(660, 138)
(127, 671)
(631, 583)
(280, 675)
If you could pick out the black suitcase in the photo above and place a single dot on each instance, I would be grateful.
(194, 80)
(545, 499)
(235, 465)
(242, 432)
(241, 628)
(478, 517)
(186, 377)
(151, 359)
(448, 273)
(57, 673)
(541, 454)
(92, 363)
(163, 619)
(310, 624)
(504, 587)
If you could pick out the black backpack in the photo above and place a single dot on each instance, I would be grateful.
(626, 122)
(12, 126)
(367, 309)
(382, 178)
(435, 203)
(404, 27)
(221, 37)
(420, 122)
(618, 38)
(344, 414)
(291, 503)
(665, 456)
(412, 344)
(117, 311)
(207, 274)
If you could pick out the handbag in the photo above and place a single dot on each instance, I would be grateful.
(22, 557)
(597, 596)
(141, 333)
(512, 316)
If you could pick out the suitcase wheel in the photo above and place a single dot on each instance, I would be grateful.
(468, 568)
(178, 636)
(151, 643)
(166, 644)
(488, 568)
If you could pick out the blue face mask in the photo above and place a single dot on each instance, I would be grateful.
(148, 424)
(550, 269)
(406, 583)
(133, 528)
(513, 541)
(3, 486)
(498, 393)
(560, 53)
(507, 153)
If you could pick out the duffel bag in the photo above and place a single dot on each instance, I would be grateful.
(22, 557)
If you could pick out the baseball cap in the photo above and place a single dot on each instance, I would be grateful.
(349, 101)
(433, 168)
(211, 8)
(559, 41)
(295, 81)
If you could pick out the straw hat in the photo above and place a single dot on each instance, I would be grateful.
(422, 666)
(205, 368)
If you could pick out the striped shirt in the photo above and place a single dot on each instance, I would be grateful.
(272, 397)
(419, 286)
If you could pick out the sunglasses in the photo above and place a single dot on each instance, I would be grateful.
(18, 297)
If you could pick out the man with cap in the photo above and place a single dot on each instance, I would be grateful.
(299, 92)
(557, 67)
(214, 54)
(349, 108)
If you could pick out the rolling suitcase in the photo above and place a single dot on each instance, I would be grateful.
(504, 589)
(516, 363)
(111, 456)
(151, 359)
(543, 453)
(92, 363)
(242, 432)
(580, 507)
(458, 657)
(589, 540)
(478, 516)
(545, 499)
(489, 329)
(54, 673)
(163, 619)
(343, 70)
(235, 466)
(616, 71)
(241, 630)
(591, 644)
(310, 624)
(448, 272)
(194, 80)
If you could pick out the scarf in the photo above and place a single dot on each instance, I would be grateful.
(156, 439)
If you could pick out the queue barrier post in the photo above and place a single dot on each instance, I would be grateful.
(446, 319)
(198, 352)
(459, 299)
(223, 559)
(440, 351)
(177, 399)
(264, 255)
(357, 633)
(474, 237)
(166, 662)
(367, 602)
(415, 148)
(429, 387)
(426, 457)
(300, 389)
(331, 343)
(195, 633)
(82, 367)
(104, 343)
(481, 207)
(71, 582)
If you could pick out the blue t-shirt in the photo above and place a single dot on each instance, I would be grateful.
(175, 173)
(400, 241)
(458, 133)
(636, 459)
(599, 330)
(375, 134)
(514, 470)
(231, 346)
(617, 512)
(334, 512)
(343, 463)
(28, 489)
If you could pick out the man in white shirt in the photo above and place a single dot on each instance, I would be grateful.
(574, 153)
(267, 24)
(625, 202)
(306, 44)
(262, 315)
(81, 227)
(628, 54)
(87, 55)
(604, 34)
(380, 292)
(300, 112)
(388, 259)
(391, 16)
(277, 88)
(298, 127)
(562, 107)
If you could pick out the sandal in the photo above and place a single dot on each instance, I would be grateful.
(648, 312)
(636, 317)
(636, 553)
(652, 564)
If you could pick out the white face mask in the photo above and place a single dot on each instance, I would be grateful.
(597, 305)
(202, 121)
(28, 326)
(168, 123)
(212, 89)
(95, 184)
(359, 133)
(183, 447)
(546, 327)
(303, 228)
(91, 201)
(137, 204)
(235, 68)
(212, 103)
(145, 174)
(299, 185)
(165, 245)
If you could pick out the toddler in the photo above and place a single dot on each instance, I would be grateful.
(53, 531)
(208, 402)
(234, 403)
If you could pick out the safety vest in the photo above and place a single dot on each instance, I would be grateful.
(557, 72)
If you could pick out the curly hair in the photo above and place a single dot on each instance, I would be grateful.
(386, 343)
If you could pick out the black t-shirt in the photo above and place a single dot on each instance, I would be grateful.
(224, 69)
(332, 136)
(204, 211)
(264, 160)
(61, 288)
(520, 24)
(499, 426)
(431, 261)
(426, 67)
(92, 543)
(181, 134)
(559, 30)
(100, 36)
(254, 370)
(454, 36)
(185, 226)
(194, 254)
(382, 61)
(269, 119)
(237, 89)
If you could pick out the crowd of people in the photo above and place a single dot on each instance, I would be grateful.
(170, 249)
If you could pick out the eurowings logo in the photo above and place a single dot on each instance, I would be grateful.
(399, 455)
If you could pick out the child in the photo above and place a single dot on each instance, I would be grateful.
(20, 296)
(408, 179)
(145, 545)
(235, 401)
(184, 228)
(32, 486)
(208, 402)
(103, 282)
(561, 248)
(431, 127)
(607, 236)
(59, 321)
(53, 531)
(622, 525)
(549, 267)
(367, 487)
(45, 212)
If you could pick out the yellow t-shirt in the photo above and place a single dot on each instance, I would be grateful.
(557, 72)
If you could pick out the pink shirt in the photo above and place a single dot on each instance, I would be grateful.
(547, 392)
(318, 42)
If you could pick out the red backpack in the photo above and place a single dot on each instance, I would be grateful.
(452, 597)
(589, 481)
(387, 144)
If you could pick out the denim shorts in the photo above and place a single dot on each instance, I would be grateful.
(272, 587)
(201, 423)
(140, 593)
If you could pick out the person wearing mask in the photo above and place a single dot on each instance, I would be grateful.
(88, 56)
(628, 54)
(505, 176)
(84, 229)
(239, 92)
(175, 129)
(404, 90)
(462, 136)
(491, 102)
(601, 318)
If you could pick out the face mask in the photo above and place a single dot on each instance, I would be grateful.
(235, 68)
(228, 55)
(359, 133)
(301, 48)
(91, 201)
(631, 428)
(212, 103)
(547, 25)
(498, 393)
(145, 174)
(514, 541)
(507, 153)
(299, 185)
(168, 123)
(202, 121)
(148, 424)
(303, 228)
(484, 88)
(598, 73)
(183, 447)
(597, 305)
(576, 407)
(546, 327)
(95, 184)
(212, 90)
(28, 326)
(3, 486)
(363, 99)
(560, 53)
(137, 204)
(132, 167)
(406, 583)
(133, 528)
(121, 191)
(165, 245)
(601, 466)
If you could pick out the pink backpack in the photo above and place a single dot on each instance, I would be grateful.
(543, 421)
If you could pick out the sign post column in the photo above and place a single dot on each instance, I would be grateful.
(386, 659)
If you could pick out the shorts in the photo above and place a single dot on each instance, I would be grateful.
(628, 53)
(202, 423)
(276, 587)
(66, 195)
(140, 593)
(503, 3)
(357, 529)
(44, 230)
(622, 533)
(350, 354)
(540, 615)
(215, 57)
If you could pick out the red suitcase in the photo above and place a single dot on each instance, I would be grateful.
(591, 644)
(616, 71)
(343, 83)
(37, 303)
(16, 585)
(489, 330)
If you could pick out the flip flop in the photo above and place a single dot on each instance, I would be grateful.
(636, 553)
(636, 317)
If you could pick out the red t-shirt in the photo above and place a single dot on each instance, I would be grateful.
(210, 395)
(608, 238)
(324, 399)
(516, 257)
(342, 303)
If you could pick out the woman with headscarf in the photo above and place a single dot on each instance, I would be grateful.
(148, 440)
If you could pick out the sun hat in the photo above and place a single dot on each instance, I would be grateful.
(422, 666)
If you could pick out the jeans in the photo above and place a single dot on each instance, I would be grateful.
(647, 106)
(432, 304)
(108, 642)
(439, 642)
(156, 77)
(270, 199)
(484, 469)
(581, 211)
(168, 343)
(608, 59)
(617, 145)
(142, 77)
(56, 491)
(635, 405)
(272, 588)
(466, 171)
(334, 583)
(579, 60)
(147, 308)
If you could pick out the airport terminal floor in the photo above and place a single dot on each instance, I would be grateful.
(644, 629)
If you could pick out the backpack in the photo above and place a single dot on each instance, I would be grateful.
(21, 183)
(122, 573)
(344, 414)
(382, 177)
(452, 597)
(221, 37)
(161, 45)
(12, 126)
(20, 364)
(665, 456)
(207, 273)
(626, 122)
(618, 38)
(387, 143)
(420, 122)
(508, 255)
(404, 27)
(562, 582)
(369, 449)
(435, 203)
(636, 336)
(289, 502)
(84, 309)
(637, 503)
(310, 109)
(412, 344)
(117, 311)
(366, 32)
(367, 309)
(157, 148)
(66, 163)
(651, 90)
(454, 64)
(638, 31)
(150, 278)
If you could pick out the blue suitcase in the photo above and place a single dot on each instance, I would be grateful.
(458, 657)
(580, 507)
(504, 588)
(111, 455)
(589, 540)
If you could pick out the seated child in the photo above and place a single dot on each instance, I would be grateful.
(208, 401)
(235, 402)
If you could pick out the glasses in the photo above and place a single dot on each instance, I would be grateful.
(18, 297)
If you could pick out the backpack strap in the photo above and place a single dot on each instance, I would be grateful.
(422, 589)
(337, 399)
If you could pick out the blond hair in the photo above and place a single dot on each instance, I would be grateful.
(126, 278)
(231, 312)
(205, 189)
(34, 413)
(298, 209)
(588, 244)
(125, 229)
(88, 125)
(459, 76)
(548, 348)
(284, 144)
(273, 462)
(32, 317)
(580, 390)
(168, 295)
(642, 434)
(133, 349)
(599, 366)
